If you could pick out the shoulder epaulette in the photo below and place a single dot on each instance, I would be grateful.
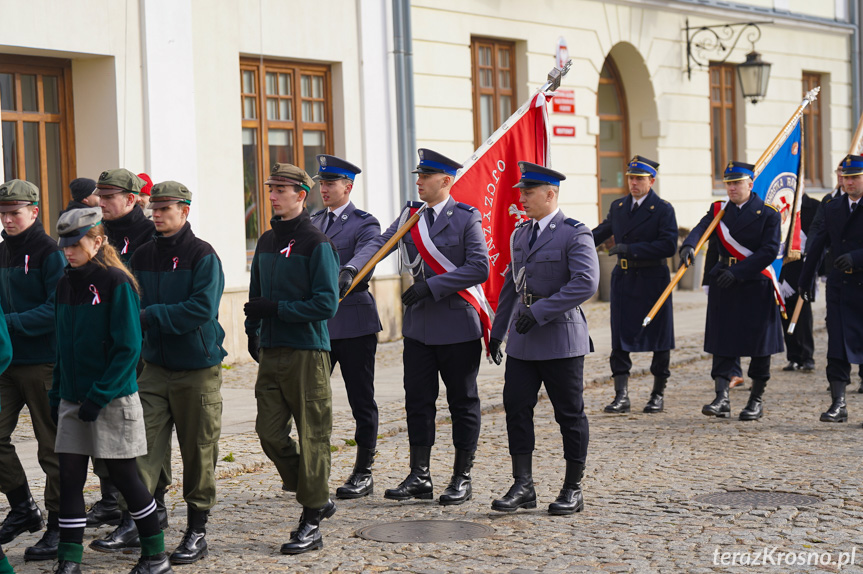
(416, 204)
(523, 223)
(317, 213)
(773, 207)
(573, 222)
(362, 213)
(618, 203)
(828, 199)
(466, 207)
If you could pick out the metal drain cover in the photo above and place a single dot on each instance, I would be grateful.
(424, 531)
(752, 498)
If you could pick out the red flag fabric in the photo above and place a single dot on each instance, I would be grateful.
(487, 179)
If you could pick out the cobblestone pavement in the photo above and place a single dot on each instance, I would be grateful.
(642, 474)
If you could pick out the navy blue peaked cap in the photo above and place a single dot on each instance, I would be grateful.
(433, 162)
(533, 175)
(332, 167)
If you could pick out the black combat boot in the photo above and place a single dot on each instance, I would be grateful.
(124, 536)
(521, 494)
(23, 515)
(156, 564)
(656, 402)
(754, 408)
(620, 404)
(721, 406)
(194, 544)
(418, 483)
(570, 499)
(459, 489)
(107, 510)
(161, 509)
(46, 548)
(837, 413)
(360, 481)
(307, 536)
(67, 567)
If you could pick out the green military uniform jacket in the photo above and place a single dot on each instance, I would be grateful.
(296, 265)
(181, 283)
(99, 336)
(31, 264)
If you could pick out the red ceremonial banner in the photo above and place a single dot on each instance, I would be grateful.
(487, 179)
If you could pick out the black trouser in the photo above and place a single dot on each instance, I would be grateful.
(621, 363)
(356, 357)
(799, 347)
(728, 367)
(563, 380)
(458, 365)
(838, 370)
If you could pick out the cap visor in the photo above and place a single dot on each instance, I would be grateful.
(328, 177)
(639, 173)
(852, 172)
(160, 203)
(427, 170)
(735, 177)
(527, 183)
(71, 240)
(111, 190)
(4, 207)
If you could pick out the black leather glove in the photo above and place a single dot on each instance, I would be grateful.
(808, 294)
(89, 411)
(416, 292)
(143, 318)
(260, 308)
(687, 256)
(725, 279)
(55, 415)
(525, 322)
(255, 347)
(843, 262)
(346, 277)
(494, 350)
(619, 249)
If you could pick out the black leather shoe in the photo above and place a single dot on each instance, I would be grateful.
(521, 494)
(124, 536)
(360, 482)
(620, 404)
(307, 536)
(808, 366)
(721, 406)
(791, 366)
(107, 510)
(754, 407)
(194, 544)
(459, 490)
(46, 548)
(418, 483)
(837, 413)
(656, 403)
(157, 564)
(24, 515)
(68, 567)
(570, 499)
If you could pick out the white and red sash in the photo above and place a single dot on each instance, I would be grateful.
(740, 252)
(440, 264)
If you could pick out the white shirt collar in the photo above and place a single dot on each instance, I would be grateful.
(638, 201)
(439, 208)
(338, 211)
(543, 223)
(850, 201)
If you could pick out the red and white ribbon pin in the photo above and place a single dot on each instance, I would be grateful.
(287, 250)
(95, 292)
(26, 264)
(176, 260)
(125, 247)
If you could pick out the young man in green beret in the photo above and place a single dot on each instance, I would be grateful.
(31, 264)
(293, 292)
(181, 282)
(125, 223)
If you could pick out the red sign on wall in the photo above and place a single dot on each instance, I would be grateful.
(564, 131)
(563, 102)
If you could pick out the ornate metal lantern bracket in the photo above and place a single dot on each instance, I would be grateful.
(705, 41)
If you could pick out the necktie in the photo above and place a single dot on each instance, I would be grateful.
(635, 207)
(533, 235)
(332, 216)
(431, 217)
(853, 206)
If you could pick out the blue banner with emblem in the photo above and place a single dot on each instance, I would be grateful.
(780, 185)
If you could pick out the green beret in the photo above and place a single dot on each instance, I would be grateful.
(168, 192)
(287, 174)
(115, 180)
(17, 193)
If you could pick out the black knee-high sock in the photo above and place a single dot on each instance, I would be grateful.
(142, 506)
(72, 518)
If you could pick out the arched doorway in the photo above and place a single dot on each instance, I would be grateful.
(612, 146)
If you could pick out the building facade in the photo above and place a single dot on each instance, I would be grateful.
(211, 94)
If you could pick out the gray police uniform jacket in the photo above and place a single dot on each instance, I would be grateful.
(562, 270)
(358, 313)
(444, 317)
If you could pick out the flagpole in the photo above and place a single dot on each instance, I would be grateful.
(765, 158)
(854, 149)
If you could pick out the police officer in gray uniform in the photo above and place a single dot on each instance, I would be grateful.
(353, 338)
(554, 269)
(442, 331)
